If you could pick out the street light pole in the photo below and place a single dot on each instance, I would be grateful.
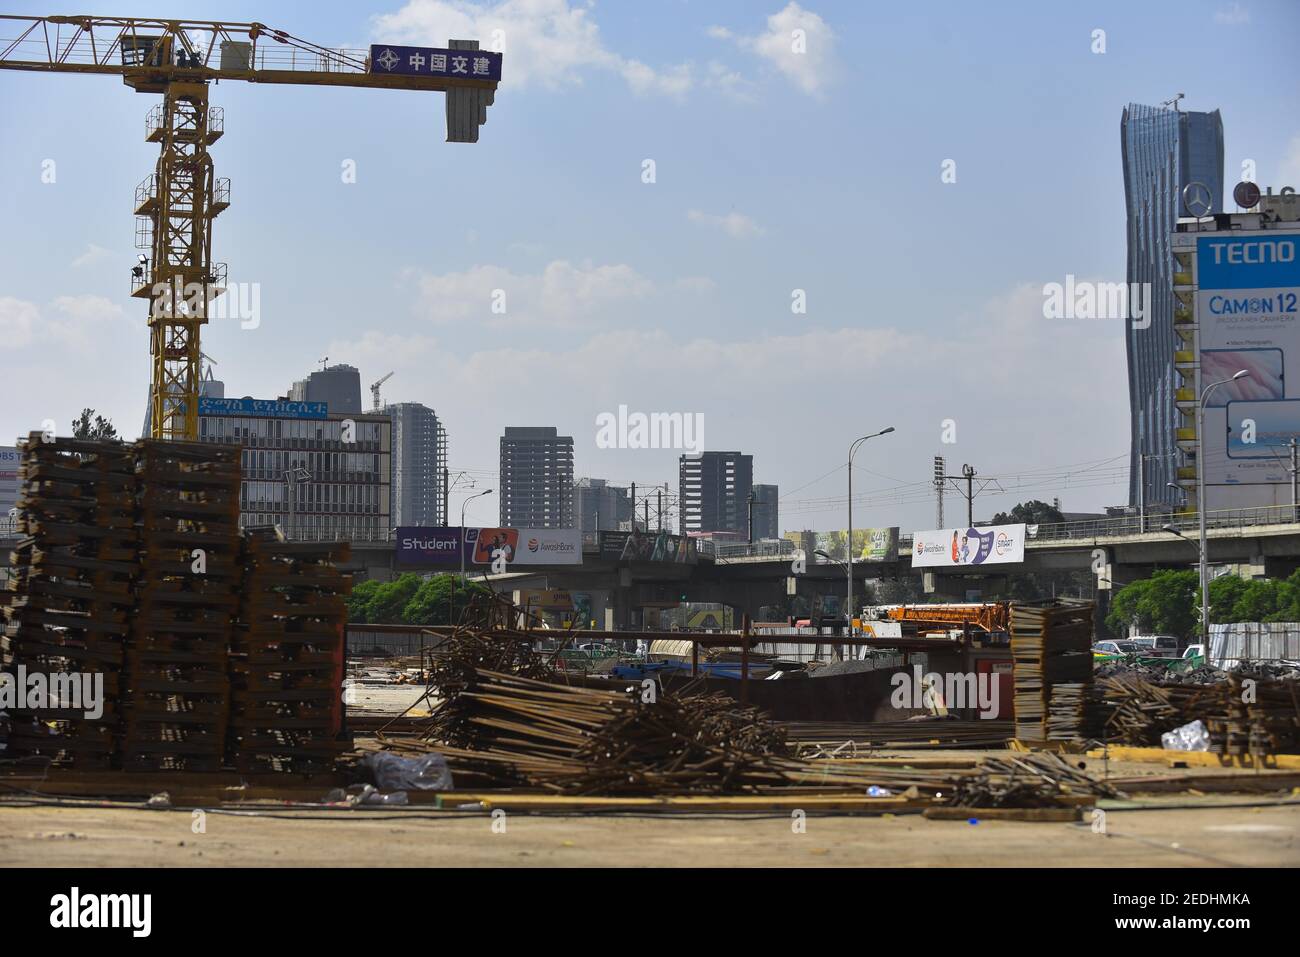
(849, 542)
(1200, 501)
(461, 549)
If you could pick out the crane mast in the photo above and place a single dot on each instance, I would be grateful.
(177, 206)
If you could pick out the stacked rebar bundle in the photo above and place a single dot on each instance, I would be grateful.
(1072, 712)
(1051, 644)
(178, 708)
(525, 728)
(70, 590)
(286, 660)
(923, 734)
(1244, 713)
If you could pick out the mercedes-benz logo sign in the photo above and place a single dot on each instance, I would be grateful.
(1197, 199)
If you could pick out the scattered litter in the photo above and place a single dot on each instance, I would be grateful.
(427, 772)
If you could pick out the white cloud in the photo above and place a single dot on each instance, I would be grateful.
(561, 295)
(548, 43)
(1232, 15)
(731, 82)
(797, 42)
(736, 225)
(76, 321)
(17, 319)
(92, 255)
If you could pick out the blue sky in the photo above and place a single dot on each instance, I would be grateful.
(773, 173)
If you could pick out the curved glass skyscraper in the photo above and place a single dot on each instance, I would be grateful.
(1164, 150)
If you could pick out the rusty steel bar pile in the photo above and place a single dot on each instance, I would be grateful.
(936, 733)
(1244, 713)
(506, 720)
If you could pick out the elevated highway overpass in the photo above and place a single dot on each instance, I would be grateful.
(1253, 543)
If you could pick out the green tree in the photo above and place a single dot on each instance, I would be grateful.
(89, 425)
(1032, 512)
(1258, 602)
(1288, 599)
(1165, 603)
(439, 598)
(359, 600)
(1225, 592)
(391, 598)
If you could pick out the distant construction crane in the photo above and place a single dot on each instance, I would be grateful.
(374, 389)
(176, 205)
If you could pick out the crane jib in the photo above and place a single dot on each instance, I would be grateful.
(435, 61)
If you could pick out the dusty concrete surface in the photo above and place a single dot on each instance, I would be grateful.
(1224, 836)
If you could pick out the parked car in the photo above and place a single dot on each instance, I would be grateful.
(1104, 649)
(1194, 651)
(1158, 646)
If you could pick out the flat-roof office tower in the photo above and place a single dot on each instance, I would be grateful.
(713, 489)
(338, 385)
(1163, 150)
(765, 512)
(536, 478)
(419, 463)
(600, 506)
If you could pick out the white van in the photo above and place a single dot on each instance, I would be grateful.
(1158, 646)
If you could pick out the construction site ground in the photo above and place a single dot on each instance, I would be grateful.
(1178, 830)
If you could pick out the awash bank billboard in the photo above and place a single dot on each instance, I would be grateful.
(962, 547)
(420, 546)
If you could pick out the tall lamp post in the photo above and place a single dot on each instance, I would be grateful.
(1202, 543)
(462, 548)
(849, 543)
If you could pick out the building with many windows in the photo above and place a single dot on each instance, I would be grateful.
(419, 464)
(536, 478)
(322, 475)
(714, 491)
(1164, 150)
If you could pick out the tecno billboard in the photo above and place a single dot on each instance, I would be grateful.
(1248, 316)
(966, 547)
(419, 546)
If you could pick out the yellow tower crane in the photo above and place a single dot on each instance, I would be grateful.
(176, 205)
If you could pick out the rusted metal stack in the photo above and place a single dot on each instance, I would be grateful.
(71, 589)
(1051, 644)
(177, 711)
(1260, 717)
(1244, 712)
(286, 660)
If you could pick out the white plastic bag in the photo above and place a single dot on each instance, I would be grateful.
(428, 772)
(1190, 737)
